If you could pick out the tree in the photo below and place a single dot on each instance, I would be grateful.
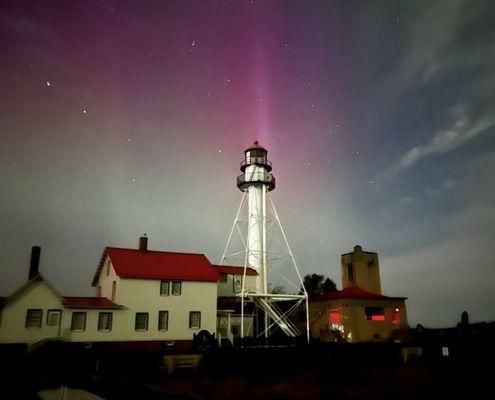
(318, 284)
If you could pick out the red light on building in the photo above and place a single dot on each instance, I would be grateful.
(335, 316)
(374, 313)
(395, 315)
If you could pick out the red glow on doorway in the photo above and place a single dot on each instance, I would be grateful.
(335, 316)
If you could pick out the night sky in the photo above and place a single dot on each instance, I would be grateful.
(119, 118)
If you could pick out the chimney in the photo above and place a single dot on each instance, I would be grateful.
(143, 243)
(35, 262)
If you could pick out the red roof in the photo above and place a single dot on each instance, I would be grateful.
(235, 270)
(139, 264)
(89, 302)
(353, 292)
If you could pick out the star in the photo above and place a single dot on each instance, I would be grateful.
(85, 111)
(133, 180)
(48, 83)
(219, 150)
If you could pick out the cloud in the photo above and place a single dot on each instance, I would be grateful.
(445, 140)
(429, 39)
(440, 41)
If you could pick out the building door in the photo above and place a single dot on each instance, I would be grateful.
(54, 319)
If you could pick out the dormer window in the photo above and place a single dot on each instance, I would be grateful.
(108, 267)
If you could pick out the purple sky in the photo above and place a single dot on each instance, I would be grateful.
(124, 117)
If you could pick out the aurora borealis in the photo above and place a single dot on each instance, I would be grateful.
(124, 117)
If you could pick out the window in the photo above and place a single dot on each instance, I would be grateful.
(98, 291)
(78, 321)
(350, 273)
(163, 321)
(141, 322)
(33, 318)
(53, 317)
(105, 321)
(374, 313)
(194, 320)
(395, 315)
(223, 277)
(164, 288)
(334, 316)
(237, 283)
(176, 288)
(108, 267)
(114, 290)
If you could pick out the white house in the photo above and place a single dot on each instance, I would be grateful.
(165, 295)
(142, 295)
(37, 311)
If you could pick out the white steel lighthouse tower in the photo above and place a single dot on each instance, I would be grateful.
(262, 245)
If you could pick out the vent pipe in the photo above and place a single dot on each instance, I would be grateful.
(35, 262)
(143, 243)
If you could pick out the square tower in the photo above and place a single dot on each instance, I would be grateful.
(360, 268)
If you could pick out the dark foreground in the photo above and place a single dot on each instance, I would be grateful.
(337, 371)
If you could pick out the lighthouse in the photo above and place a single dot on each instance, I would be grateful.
(256, 180)
(258, 230)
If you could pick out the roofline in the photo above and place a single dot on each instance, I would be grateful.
(105, 254)
(163, 278)
(155, 251)
(112, 306)
(100, 267)
(34, 279)
(240, 267)
(359, 298)
(365, 252)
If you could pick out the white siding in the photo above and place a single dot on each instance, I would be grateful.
(136, 295)
(106, 282)
(144, 296)
(37, 295)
